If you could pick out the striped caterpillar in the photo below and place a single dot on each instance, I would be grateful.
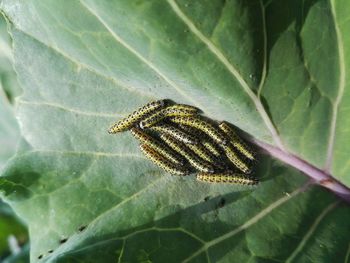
(176, 133)
(136, 116)
(180, 141)
(156, 145)
(191, 157)
(174, 110)
(202, 125)
(229, 178)
(236, 141)
(235, 159)
(163, 162)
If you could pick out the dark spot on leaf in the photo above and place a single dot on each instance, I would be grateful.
(50, 251)
(206, 199)
(63, 240)
(221, 203)
(40, 256)
(82, 228)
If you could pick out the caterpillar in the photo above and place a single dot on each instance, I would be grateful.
(236, 141)
(174, 110)
(163, 162)
(234, 158)
(202, 152)
(136, 116)
(176, 133)
(204, 138)
(201, 125)
(183, 107)
(197, 162)
(156, 145)
(212, 147)
(230, 178)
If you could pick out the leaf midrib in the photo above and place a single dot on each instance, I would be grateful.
(221, 57)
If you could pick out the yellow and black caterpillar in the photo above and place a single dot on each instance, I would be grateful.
(170, 111)
(177, 139)
(162, 161)
(136, 116)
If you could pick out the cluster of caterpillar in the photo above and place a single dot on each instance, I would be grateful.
(181, 141)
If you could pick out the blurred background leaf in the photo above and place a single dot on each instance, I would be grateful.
(10, 225)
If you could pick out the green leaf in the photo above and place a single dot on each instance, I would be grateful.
(9, 130)
(8, 79)
(276, 70)
(9, 138)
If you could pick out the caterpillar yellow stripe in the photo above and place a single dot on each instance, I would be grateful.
(228, 178)
(136, 116)
(202, 152)
(156, 145)
(175, 132)
(212, 147)
(236, 141)
(202, 125)
(196, 162)
(173, 110)
(204, 138)
(163, 162)
(235, 159)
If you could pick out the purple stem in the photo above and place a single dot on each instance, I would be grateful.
(319, 176)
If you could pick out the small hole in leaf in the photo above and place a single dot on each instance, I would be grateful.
(63, 240)
(82, 228)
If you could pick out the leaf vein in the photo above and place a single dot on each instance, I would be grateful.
(341, 88)
(79, 64)
(259, 106)
(250, 222)
(139, 56)
(264, 29)
(311, 230)
(75, 111)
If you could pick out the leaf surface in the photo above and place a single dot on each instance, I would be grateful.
(84, 64)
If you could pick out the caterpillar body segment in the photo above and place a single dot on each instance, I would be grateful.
(202, 152)
(212, 147)
(236, 141)
(174, 110)
(136, 116)
(183, 108)
(152, 119)
(157, 145)
(235, 159)
(196, 162)
(202, 125)
(163, 162)
(229, 178)
(176, 133)
(204, 138)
